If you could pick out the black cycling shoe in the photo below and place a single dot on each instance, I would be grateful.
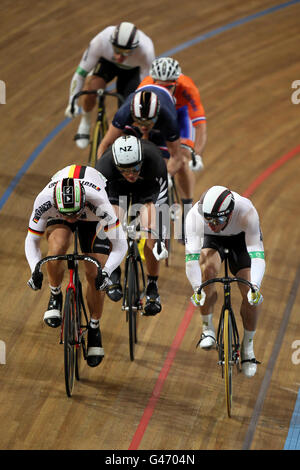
(95, 352)
(153, 305)
(114, 291)
(52, 316)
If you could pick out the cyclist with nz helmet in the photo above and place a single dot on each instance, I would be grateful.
(75, 196)
(136, 167)
(224, 219)
(166, 72)
(150, 110)
(121, 51)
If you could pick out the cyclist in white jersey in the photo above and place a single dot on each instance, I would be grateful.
(76, 195)
(224, 219)
(121, 51)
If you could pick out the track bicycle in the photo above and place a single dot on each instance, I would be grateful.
(228, 342)
(101, 124)
(134, 280)
(75, 321)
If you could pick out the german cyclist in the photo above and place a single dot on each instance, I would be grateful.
(136, 167)
(166, 72)
(121, 51)
(75, 196)
(224, 219)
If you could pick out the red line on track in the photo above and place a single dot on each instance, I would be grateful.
(189, 314)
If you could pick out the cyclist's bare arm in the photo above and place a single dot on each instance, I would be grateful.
(111, 135)
(200, 137)
(176, 160)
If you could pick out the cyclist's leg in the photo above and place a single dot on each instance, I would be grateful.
(103, 73)
(127, 81)
(240, 266)
(96, 247)
(210, 262)
(249, 314)
(59, 238)
(115, 292)
(153, 303)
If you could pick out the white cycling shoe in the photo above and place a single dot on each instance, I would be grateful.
(249, 364)
(207, 340)
(82, 138)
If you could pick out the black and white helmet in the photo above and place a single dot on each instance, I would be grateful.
(217, 202)
(145, 106)
(165, 69)
(127, 151)
(125, 36)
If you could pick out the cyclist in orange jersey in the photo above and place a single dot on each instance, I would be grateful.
(166, 72)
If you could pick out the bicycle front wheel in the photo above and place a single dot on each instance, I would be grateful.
(228, 360)
(132, 308)
(98, 134)
(69, 341)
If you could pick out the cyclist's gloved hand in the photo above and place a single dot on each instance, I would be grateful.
(103, 282)
(68, 112)
(163, 251)
(198, 165)
(255, 298)
(36, 280)
(198, 300)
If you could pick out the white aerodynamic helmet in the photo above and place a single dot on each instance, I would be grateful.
(127, 151)
(165, 69)
(217, 202)
(125, 36)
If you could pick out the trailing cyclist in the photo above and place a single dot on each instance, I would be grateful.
(75, 196)
(224, 219)
(136, 168)
(121, 51)
(166, 72)
(153, 112)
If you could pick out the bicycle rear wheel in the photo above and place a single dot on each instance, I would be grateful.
(228, 362)
(69, 342)
(132, 308)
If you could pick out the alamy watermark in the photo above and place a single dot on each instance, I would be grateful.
(296, 353)
(2, 92)
(295, 98)
(2, 352)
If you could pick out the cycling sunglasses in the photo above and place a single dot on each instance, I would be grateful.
(145, 122)
(216, 220)
(124, 52)
(133, 169)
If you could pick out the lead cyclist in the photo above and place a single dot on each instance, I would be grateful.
(224, 219)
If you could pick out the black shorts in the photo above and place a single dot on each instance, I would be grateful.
(238, 255)
(89, 242)
(127, 79)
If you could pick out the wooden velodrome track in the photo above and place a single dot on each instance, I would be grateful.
(172, 395)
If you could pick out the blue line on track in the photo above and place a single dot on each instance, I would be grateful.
(293, 438)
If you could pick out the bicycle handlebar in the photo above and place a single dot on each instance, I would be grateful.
(70, 257)
(192, 152)
(226, 280)
(99, 92)
(135, 234)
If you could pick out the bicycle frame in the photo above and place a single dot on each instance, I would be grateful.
(228, 343)
(101, 124)
(78, 328)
